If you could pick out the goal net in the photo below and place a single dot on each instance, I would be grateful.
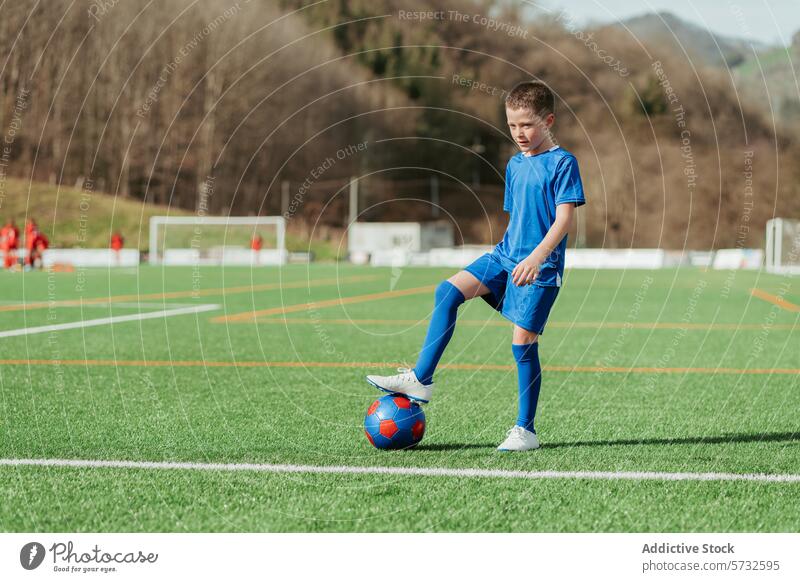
(218, 240)
(783, 246)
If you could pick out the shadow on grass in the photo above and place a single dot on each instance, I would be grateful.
(773, 437)
(706, 440)
(452, 446)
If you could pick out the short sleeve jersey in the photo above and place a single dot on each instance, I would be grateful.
(535, 185)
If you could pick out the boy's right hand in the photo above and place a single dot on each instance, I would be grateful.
(526, 271)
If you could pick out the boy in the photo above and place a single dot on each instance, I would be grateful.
(522, 275)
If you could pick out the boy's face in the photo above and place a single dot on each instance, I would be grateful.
(528, 129)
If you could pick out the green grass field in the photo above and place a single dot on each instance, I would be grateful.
(678, 371)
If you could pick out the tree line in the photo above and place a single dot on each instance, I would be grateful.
(156, 101)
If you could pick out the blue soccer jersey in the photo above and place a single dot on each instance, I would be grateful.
(535, 185)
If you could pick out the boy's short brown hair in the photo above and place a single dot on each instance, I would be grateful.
(532, 95)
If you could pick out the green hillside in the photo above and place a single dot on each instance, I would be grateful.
(72, 217)
(770, 78)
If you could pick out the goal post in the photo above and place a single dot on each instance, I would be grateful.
(783, 246)
(218, 240)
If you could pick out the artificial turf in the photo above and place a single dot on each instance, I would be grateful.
(619, 394)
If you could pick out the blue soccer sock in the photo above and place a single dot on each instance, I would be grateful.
(440, 330)
(529, 374)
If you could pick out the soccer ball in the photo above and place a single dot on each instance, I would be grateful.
(394, 422)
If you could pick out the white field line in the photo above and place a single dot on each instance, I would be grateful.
(108, 320)
(133, 305)
(105, 305)
(405, 471)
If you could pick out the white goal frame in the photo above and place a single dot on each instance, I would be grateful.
(235, 256)
(774, 251)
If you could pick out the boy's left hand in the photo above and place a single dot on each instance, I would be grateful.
(526, 271)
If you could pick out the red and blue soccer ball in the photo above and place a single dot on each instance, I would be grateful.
(394, 422)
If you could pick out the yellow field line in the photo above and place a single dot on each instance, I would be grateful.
(192, 293)
(379, 365)
(776, 300)
(249, 316)
(558, 324)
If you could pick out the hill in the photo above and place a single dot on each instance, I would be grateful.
(764, 75)
(663, 146)
(771, 78)
(73, 217)
(242, 92)
(268, 93)
(699, 42)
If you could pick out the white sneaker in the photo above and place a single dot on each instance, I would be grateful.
(519, 439)
(405, 382)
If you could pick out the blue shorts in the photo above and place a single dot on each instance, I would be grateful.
(527, 306)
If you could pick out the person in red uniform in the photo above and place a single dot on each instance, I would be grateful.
(31, 231)
(42, 242)
(30, 226)
(117, 242)
(38, 246)
(255, 245)
(9, 241)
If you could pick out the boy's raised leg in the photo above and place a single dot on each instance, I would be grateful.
(416, 383)
(449, 296)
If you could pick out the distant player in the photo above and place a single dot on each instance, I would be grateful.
(39, 244)
(117, 242)
(30, 226)
(31, 232)
(521, 277)
(9, 242)
(255, 245)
